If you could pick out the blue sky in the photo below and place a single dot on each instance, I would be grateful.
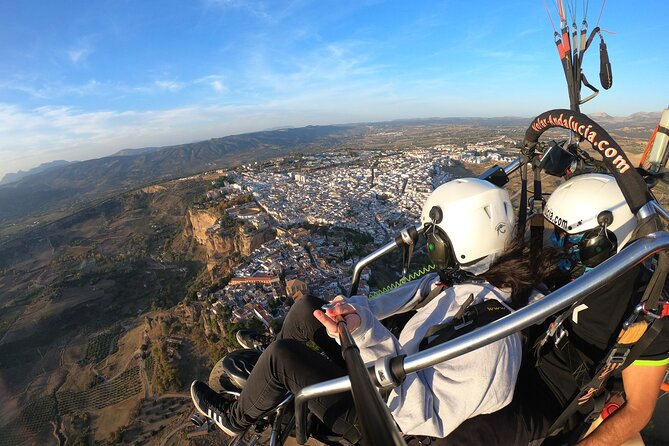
(83, 79)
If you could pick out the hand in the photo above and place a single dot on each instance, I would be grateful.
(334, 313)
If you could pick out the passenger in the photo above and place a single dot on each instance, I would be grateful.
(470, 227)
(592, 222)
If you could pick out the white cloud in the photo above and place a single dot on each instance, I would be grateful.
(169, 85)
(216, 82)
(218, 86)
(77, 55)
(79, 52)
(34, 136)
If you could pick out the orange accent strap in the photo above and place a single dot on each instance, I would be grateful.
(648, 146)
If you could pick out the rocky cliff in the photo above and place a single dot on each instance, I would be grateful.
(223, 247)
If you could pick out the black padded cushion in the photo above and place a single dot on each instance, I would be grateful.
(238, 365)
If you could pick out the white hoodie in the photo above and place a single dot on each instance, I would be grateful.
(434, 401)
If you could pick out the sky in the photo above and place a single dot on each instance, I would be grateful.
(81, 79)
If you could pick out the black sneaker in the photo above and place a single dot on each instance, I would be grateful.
(253, 339)
(213, 406)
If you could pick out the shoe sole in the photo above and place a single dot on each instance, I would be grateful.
(208, 416)
(241, 341)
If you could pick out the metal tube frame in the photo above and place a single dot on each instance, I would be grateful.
(391, 246)
(660, 210)
(516, 164)
(370, 258)
(634, 254)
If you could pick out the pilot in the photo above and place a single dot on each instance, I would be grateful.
(469, 225)
(592, 222)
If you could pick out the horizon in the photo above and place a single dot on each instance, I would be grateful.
(116, 151)
(85, 81)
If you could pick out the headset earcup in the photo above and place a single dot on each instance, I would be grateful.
(596, 246)
(439, 248)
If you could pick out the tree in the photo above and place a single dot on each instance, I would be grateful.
(164, 375)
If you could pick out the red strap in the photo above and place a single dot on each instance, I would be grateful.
(560, 48)
(565, 42)
(609, 409)
(665, 309)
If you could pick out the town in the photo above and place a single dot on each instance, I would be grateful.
(326, 210)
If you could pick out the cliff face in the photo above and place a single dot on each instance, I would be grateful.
(222, 248)
(197, 223)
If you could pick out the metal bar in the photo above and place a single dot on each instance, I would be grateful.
(535, 313)
(662, 211)
(391, 246)
(558, 300)
(376, 422)
(330, 387)
(515, 164)
(365, 261)
(646, 211)
(287, 429)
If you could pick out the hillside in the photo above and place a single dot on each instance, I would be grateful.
(16, 176)
(61, 190)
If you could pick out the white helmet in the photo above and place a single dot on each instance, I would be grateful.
(469, 220)
(579, 206)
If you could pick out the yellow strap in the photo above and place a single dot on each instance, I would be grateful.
(633, 333)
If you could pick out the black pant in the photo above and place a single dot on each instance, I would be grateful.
(526, 421)
(289, 365)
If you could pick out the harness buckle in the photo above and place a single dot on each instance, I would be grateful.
(638, 309)
(465, 321)
(618, 357)
(562, 335)
(661, 311)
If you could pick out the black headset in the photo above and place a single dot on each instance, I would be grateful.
(598, 243)
(439, 246)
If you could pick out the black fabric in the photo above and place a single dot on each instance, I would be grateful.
(605, 73)
(522, 206)
(592, 88)
(631, 183)
(656, 327)
(288, 364)
(659, 348)
(570, 365)
(473, 317)
(543, 392)
(516, 424)
(300, 324)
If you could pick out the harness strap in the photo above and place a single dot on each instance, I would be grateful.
(653, 331)
(473, 317)
(653, 292)
(431, 295)
(522, 207)
(630, 345)
(537, 221)
(638, 332)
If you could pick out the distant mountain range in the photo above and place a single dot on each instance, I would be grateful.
(642, 119)
(60, 187)
(11, 177)
(63, 188)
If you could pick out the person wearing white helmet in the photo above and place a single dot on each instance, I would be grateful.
(470, 222)
(592, 222)
(470, 227)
